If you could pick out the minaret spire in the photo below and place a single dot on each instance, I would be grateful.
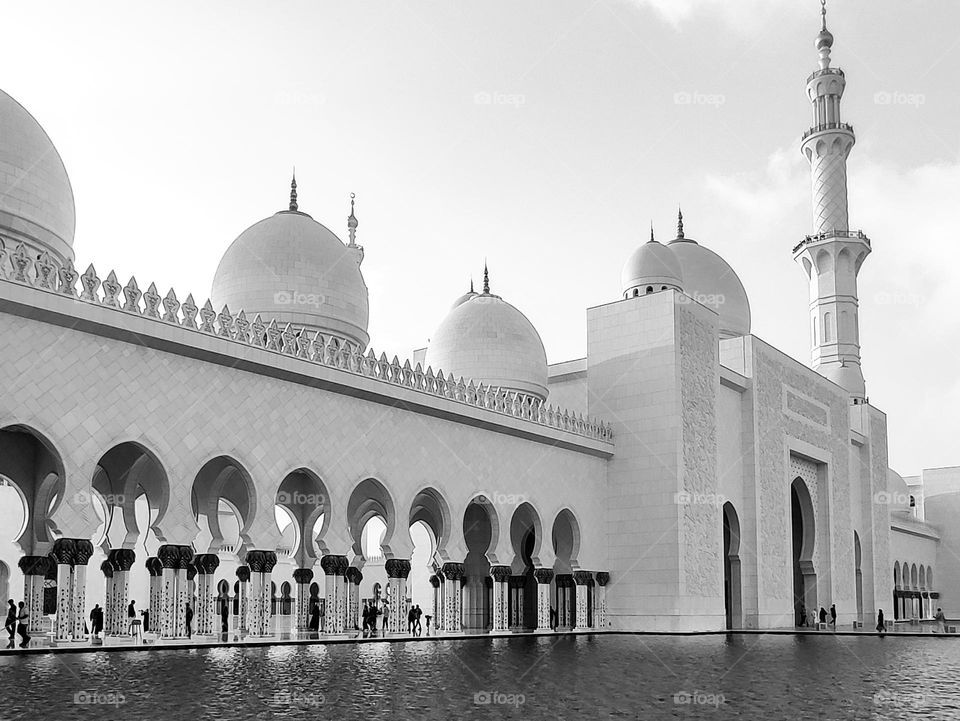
(679, 223)
(832, 255)
(652, 239)
(486, 279)
(293, 190)
(471, 284)
(352, 223)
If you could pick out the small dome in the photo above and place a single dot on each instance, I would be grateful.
(291, 268)
(652, 265)
(487, 340)
(36, 199)
(463, 299)
(709, 280)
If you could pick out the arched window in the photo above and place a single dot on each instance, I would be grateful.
(649, 289)
(813, 326)
(636, 292)
(827, 330)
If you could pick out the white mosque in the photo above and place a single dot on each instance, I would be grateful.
(253, 452)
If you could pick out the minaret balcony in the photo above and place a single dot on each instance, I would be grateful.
(825, 71)
(830, 235)
(823, 127)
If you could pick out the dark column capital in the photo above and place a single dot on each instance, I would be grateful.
(354, 575)
(517, 581)
(454, 571)
(82, 550)
(500, 573)
(342, 565)
(603, 578)
(191, 571)
(154, 566)
(269, 561)
(564, 580)
(243, 574)
(122, 558)
(169, 555)
(582, 578)
(107, 569)
(206, 563)
(331, 564)
(543, 575)
(397, 568)
(34, 565)
(435, 581)
(303, 575)
(63, 550)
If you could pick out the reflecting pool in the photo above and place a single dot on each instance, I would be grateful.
(563, 677)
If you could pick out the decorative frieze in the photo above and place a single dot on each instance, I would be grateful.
(329, 351)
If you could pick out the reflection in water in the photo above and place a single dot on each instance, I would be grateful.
(626, 677)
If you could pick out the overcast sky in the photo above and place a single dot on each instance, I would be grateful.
(543, 136)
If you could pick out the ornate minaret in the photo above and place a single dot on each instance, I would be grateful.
(833, 254)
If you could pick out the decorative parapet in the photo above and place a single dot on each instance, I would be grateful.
(314, 347)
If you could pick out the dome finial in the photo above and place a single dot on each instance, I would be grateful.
(486, 279)
(823, 14)
(679, 223)
(352, 222)
(471, 284)
(293, 190)
(652, 239)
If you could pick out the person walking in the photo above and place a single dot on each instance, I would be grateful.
(941, 621)
(416, 621)
(189, 614)
(225, 615)
(11, 623)
(803, 615)
(881, 626)
(365, 615)
(314, 624)
(833, 616)
(553, 619)
(823, 615)
(385, 610)
(22, 617)
(411, 621)
(132, 616)
(96, 621)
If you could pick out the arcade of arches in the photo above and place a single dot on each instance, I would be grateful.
(231, 585)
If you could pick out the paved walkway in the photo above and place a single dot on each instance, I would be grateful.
(295, 639)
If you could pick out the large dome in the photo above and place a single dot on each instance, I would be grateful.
(291, 268)
(709, 280)
(487, 340)
(36, 200)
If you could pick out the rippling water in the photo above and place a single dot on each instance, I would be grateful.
(566, 677)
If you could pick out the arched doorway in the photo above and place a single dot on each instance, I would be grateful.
(804, 574)
(566, 545)
(526, 533)
(732, 599)
(859, 576)
(430, 524)
(480, 531)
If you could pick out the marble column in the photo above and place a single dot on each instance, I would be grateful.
(62, 554)
(121, 560)
(501, 577)
(303, 577)
(261, 564)
(516, 586)
(34, 570)
(453, 597)
(109, 596)
(243, 576)
(544, 576)
(333, 568)
(600, 600)
(83, 550)
(581, 599)
(437, 601)
(154, 605)
(204, 613)
(354, 577)
(174, 560)
(397, 571)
